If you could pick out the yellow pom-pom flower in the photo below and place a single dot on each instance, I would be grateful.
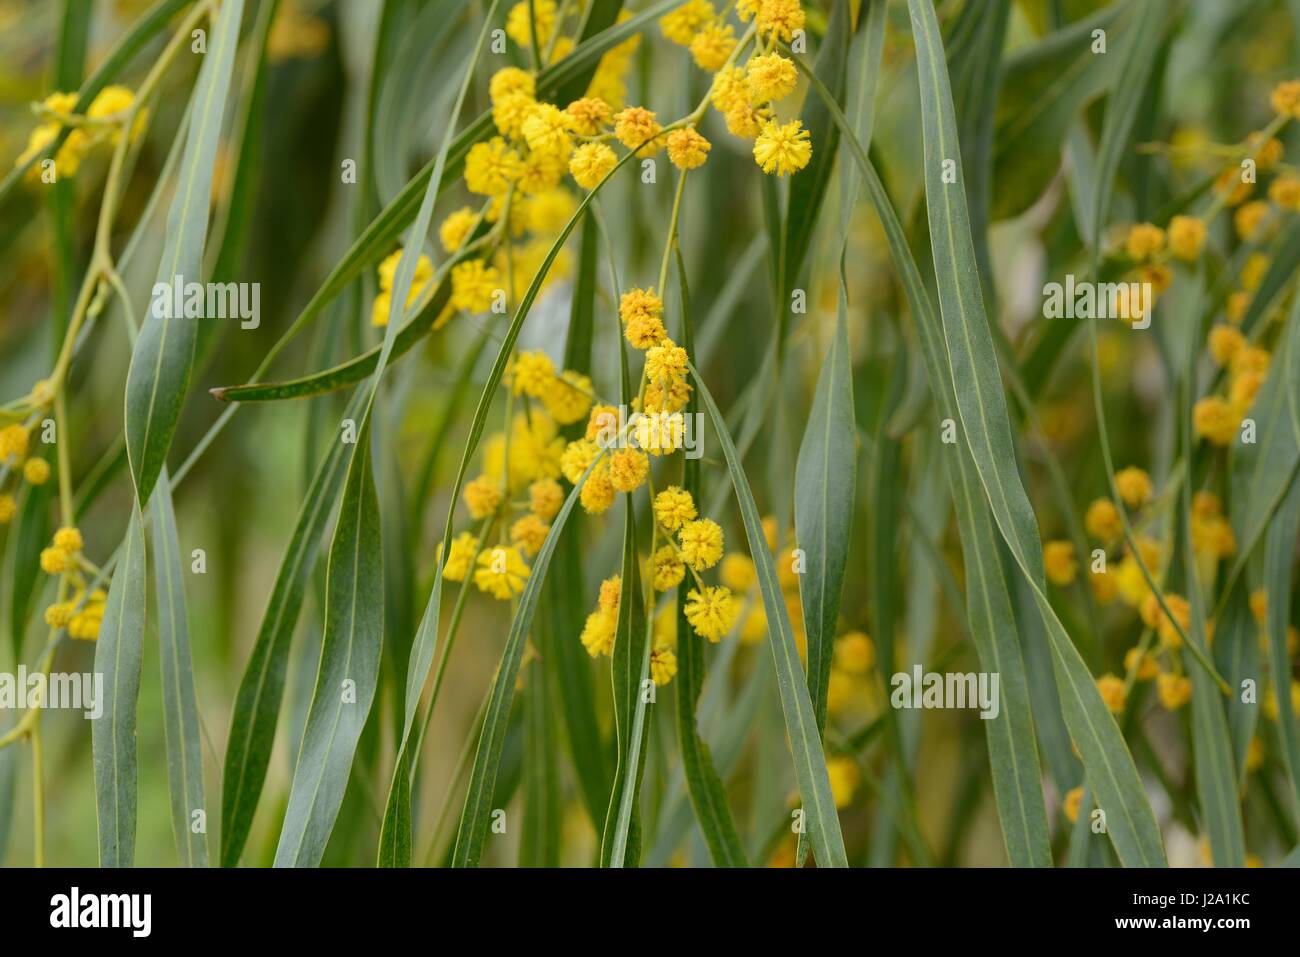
(482, 496)
(598, 633)
(711, 612)
(474, 285)
(546, 130)
(674, 507)
(529, 533)
(522, 16)
(1058, 559)
(36, 471)
(69, 539)
(669, 569)
(663, 665)
(1144, 241)
(491, 167)
(628, 469)
(455, 229)
(1112, 692)
(1186, 237)
(568, 397)
(1134, 486)
(1216, 420)
(770, 77)
(642, 314)
(1102, 520)
(588, 116)
(712, 46)
(464, 547)
(501, 573)
(701, 543)
(56, 561)
(681, 25)
(598, 492)
(779, 18)
(637, 129)
(782, 149)
(1174, 691)
(590, 163)
(687, 149)
(13, 443)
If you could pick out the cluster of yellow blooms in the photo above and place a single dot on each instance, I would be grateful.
(15, 451)
(14, 459)
(744, 94)
(82, 614)
(387, 273)
(527, 461)
(519, 173)
(1212, 539)
(102, 123)
(1218, 418)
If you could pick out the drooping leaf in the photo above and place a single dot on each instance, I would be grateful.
(820, 817)
(256, 710)
(348, 672)
(117, 658)
(479, 800)
(159, 374)
(824, 489)
(180, 703)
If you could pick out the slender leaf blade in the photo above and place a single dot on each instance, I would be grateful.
(117, 658)
(180, 702)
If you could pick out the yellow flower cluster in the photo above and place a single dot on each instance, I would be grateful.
(1218, 418)
(1102, 522)
(743, 94)
(567, 396)
(602, 624)
(81, 615)
(383, 303)
(15, 443)
(501, 572)
(102, 123)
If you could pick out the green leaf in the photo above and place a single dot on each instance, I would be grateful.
(825, 484)
(1090, 723)
(820, 817)
(426, 636)
(1282, 265)
(1263, 471)
(808, 189)
(349, 669)
(975, 65)
(620, 844)
(986, 425)
(261, 689)
(117, 658)
(1045, 85)
(566, 590)
(159, 374)
(479, 800)
(180, 705)
(1279, 556)
(539, 842)
(25, 544)
(703, 784)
